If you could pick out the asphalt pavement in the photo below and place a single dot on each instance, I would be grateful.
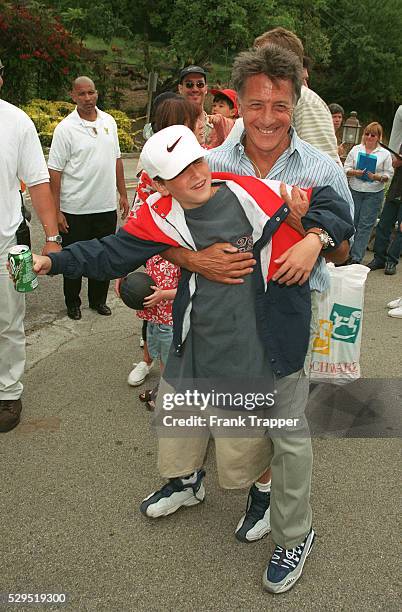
(77, 467)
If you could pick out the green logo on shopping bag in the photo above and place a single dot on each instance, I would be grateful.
(346, 323)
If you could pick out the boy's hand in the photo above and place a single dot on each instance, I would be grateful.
(155, 298)
(298, 204)
(41, 264)
(297, 262)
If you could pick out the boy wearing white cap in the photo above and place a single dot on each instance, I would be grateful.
(252, 333)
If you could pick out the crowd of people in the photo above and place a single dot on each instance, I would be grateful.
(235, 215)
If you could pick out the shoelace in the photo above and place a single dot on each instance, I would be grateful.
(287, 557)
(257, 504)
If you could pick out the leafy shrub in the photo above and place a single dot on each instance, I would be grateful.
(126, 141)
(124, 122)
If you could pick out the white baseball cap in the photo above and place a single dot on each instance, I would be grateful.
(169, 151)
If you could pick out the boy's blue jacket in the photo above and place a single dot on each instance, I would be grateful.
(283, 312)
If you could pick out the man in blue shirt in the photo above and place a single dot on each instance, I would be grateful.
(266, 81)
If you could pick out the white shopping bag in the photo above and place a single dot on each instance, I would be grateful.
(336, 345)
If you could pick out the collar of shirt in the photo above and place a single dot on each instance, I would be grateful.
(82, 121)
(295, 148)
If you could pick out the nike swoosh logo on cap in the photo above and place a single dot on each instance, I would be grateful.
(170, 149)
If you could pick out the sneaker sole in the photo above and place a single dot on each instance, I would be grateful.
(394, 316)
(272, 588)
(172, 510)
(192, 501)
(138, 383)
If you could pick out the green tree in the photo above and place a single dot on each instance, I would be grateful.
(39, 53)
(365, 70)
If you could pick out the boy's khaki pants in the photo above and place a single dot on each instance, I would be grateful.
(241, 460)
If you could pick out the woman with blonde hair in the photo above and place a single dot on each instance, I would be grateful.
(367, 186)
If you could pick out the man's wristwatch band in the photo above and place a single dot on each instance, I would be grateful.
(57, 239)
(325, 238)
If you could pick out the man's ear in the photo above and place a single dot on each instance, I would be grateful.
(180, 89)
(159, 186)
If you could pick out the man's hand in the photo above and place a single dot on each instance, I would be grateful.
(51, 247)
(62, 223)
(124, 206)
(298, 205)
(220, 262)
(41, 265)
(297, 262)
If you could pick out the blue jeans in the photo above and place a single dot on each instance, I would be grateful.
(159, 339)
(367, 206)
(383, 250)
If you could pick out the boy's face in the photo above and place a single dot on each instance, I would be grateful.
(221, 107)
(192, 187)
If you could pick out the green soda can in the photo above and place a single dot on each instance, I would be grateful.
(21, 268)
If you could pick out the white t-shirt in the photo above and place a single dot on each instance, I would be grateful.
(21, 158)
(86, 152)
(384, 167)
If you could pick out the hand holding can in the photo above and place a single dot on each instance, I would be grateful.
(21, 268)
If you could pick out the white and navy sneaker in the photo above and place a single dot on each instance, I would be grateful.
(286, 565)
(255, 524)
(173, 495)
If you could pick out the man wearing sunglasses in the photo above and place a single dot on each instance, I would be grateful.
(193, 86)
(21, 159)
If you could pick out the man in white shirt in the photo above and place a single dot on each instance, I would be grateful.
(21, 159)
(85, 168)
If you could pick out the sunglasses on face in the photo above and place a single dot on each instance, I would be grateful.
(370, 134)
(191, 84)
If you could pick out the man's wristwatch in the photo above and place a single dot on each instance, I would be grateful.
(57, 239)
(324, 237)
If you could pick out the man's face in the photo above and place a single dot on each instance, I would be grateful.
(337, 119)
(194, 88)
(267, 109)
(85, 96)
(192, 187)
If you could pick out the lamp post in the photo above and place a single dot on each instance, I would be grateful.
(351, 132)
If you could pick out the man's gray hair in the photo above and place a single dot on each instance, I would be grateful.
(273, 61)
